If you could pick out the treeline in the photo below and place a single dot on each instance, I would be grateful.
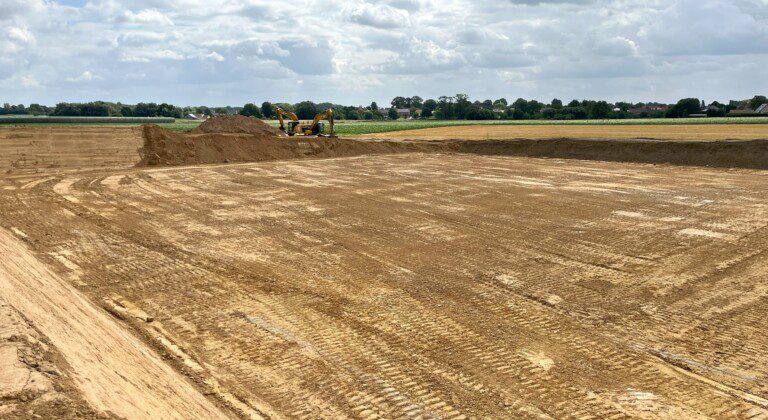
(307, 110)
(114, 109)
(457, 107)
(461, 107)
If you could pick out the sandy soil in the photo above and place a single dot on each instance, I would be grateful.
(425, 285)
(30, 150)
(668, 132)
(114, 371)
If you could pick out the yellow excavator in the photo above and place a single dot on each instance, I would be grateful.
(314, 128)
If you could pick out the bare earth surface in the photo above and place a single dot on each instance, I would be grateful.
(665, 132)
(425, 284)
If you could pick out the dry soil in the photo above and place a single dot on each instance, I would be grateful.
(697, 132)
(397, 285)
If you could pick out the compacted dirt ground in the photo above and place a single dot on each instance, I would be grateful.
(394, 285)
(663, 132)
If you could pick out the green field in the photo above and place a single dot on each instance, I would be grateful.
(348, 128)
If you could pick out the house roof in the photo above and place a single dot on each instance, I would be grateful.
(762, 109)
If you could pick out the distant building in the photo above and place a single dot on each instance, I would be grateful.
(402, 112)
(741, 112)
(762, 109)
(648, 110)
(197, 117)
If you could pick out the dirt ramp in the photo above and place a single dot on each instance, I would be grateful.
(166, 148)
(751, 154)
(236, 124)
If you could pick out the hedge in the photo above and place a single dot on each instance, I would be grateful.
(86, 120)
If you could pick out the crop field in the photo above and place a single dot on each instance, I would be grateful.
(354, 128)
(410, 285)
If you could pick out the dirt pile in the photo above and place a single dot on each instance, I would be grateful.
(236, 124)
(164, 147)
(751, 154)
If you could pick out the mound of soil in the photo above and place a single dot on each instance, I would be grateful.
(751, 154)
(258, 142)
(167, 148)
(236, 124)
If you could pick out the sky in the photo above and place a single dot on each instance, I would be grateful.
(227, 52)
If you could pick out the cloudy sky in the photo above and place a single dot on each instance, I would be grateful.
(228, 52)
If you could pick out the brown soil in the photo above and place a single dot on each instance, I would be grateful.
(165, 147)
(50, 150)
(236, 124)
(410, 285)
(728, 154)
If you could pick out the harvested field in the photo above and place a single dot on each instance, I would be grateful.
(394, 285)
(662, 132)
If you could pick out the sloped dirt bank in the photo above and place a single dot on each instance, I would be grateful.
(165, 148)
(236, 124)
(752, 154)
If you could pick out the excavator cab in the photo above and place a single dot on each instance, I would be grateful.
(314, 128)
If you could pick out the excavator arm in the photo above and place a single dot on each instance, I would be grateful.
(290, 115)
(305, 129)
(327, 115)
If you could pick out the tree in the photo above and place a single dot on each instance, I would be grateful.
(574, 103)
(599, 110)
(500, 103)
(716, 109)
(392, 113)
(37, 109)
(416, 102)
(557, 104)
(758, 100)
(168, 110)
(267, 110)
(399, 102)
(428, 108)
(462, 105)
(623, 106)
(251, 110)
(478, 113)
(374, 106)
(145, 110)
(684, 108)
(519, 114)
(349, 113)
(306, 110)
(446, 109)
(126, 111)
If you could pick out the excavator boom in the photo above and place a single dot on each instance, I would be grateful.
(315, 128)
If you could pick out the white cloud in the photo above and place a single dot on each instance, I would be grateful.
(224, 52)
(86, 76)
(150, 55)
(380, 16)
(212, 56)
(147, 16)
